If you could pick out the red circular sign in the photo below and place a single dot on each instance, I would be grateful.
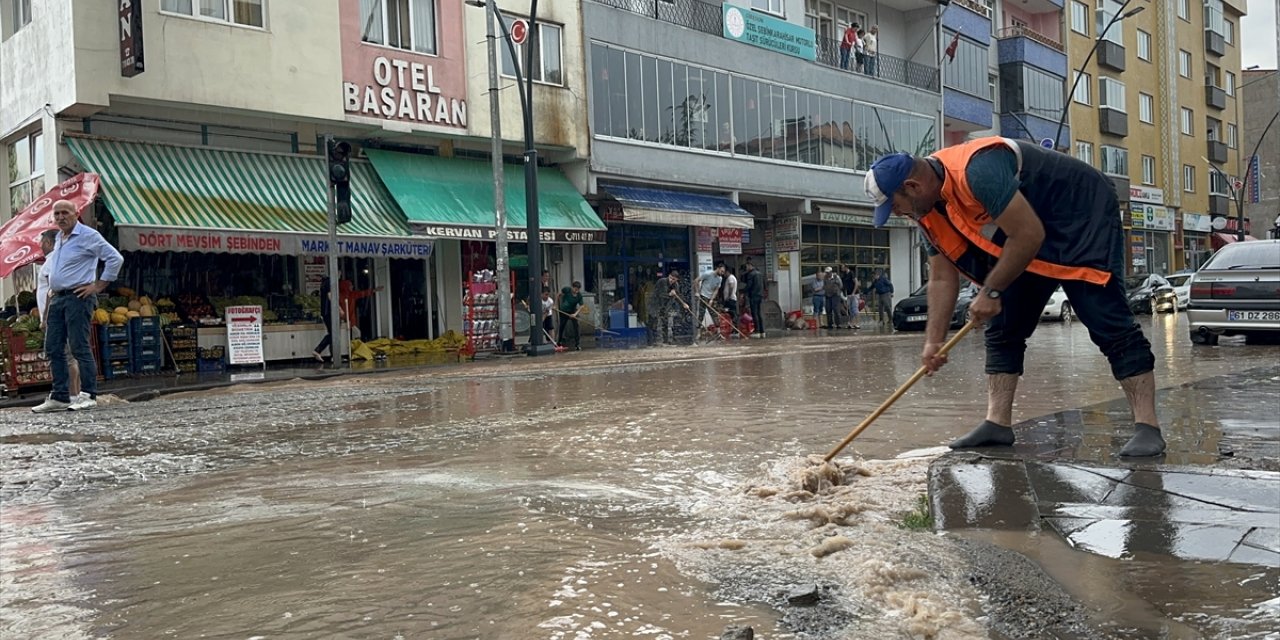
(519, 31)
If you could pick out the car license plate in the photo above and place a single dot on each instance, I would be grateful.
(918, 318)
(1250, 316)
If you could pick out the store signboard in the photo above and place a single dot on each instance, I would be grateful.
(704, 236)
(786, 234)
(1150, 216)
(244, 335)
(283, 244)
(489, 234)
(767, 32)
(1145, 194)
(1197, 222)
(770, 255)
(731, 241)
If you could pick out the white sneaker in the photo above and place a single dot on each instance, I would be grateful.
(50, 405)
(83, 401)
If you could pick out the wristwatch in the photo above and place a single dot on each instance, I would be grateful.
(994, 294)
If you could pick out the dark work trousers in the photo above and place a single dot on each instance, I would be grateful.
(328, 334)
(757, 315)
(1104, 310)
(833, 311)
(569, 336)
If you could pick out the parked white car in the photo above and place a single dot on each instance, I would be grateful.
(1058, 307)
(1181, 283)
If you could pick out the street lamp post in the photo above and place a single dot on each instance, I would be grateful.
(1120, 15)
(524, 87)
(1238, 194)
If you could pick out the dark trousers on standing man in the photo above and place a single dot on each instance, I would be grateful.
(69, 323)
(757, 315)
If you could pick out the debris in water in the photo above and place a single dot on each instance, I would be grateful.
(804, 595)
(824, 514)
(735, 632)
(830, 546)
(731, 545)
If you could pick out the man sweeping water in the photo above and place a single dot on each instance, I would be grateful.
(1021, 220)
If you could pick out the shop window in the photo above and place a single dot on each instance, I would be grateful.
(249, 13)
(403, 24)
(26, 170)
(863, 249)
(546, 57)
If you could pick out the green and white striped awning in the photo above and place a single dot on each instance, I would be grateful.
(174, 198)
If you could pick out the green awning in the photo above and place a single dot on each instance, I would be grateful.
(453, 198)
(173, 198)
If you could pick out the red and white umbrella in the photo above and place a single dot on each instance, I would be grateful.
(20, 237)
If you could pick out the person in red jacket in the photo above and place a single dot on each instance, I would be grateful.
(1022, 221)
(847, 44)
(347, 297)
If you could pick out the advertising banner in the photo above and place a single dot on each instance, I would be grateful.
(767, 32)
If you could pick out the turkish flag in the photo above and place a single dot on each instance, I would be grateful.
(951, 48)
(20, 237)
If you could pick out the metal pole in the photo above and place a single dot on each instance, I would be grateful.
(536, 344)
(331, 257)
(1120, 14)
(503, 265)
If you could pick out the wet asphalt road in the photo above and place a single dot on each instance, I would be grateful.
(479, 501)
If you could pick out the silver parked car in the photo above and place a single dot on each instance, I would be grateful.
(1237, 292)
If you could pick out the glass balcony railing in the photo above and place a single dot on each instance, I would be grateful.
(707, 18)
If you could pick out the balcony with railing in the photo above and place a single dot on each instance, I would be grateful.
(708, 18)
(1021, 43)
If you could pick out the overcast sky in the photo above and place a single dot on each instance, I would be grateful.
(1258, 35)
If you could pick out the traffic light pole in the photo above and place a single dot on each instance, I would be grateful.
(331, 258)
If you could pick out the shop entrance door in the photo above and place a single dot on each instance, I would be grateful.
(409, 299)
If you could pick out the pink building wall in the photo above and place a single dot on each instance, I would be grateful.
(395, 84)
(1048, 23)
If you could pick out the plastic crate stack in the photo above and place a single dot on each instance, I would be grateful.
(147, 350)
(113, 341)
(183, 347)
(212, 359)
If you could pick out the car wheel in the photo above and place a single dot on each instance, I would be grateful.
(1066, 312)
(1204, 337)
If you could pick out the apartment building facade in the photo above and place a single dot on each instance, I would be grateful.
(204, 121)
(1155, 110)
(739, 131)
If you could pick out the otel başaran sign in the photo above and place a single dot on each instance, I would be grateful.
(404, 90)
(131, 60)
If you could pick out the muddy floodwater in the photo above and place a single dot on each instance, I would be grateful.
(589, 495)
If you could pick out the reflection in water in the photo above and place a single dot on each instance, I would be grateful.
(496, 503)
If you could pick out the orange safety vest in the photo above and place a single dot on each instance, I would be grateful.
(960, 227)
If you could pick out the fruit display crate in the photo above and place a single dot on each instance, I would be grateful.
(183, 347)
(115, 350)
(24, 365)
